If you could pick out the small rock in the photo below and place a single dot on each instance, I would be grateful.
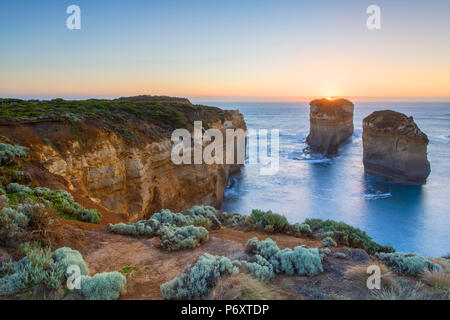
(340, 255)
(359, 255)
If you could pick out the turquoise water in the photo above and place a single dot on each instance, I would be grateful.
(410, 218)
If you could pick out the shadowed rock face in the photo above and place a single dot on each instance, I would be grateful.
(395, 148)
(331, 123)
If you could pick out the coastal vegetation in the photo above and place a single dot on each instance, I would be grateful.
(42, 274)
(346, 235)
(239, 262)
(165, 113)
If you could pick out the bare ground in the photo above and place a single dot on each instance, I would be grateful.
(108, 252)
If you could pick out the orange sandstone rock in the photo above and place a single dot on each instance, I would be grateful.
(331, 123)
(395, 148)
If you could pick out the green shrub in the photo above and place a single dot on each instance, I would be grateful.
(17, 217)
(18, 188)
(9, 153)
(300, 230)
(28, 221)
(128, 229)
(265, 248)
(328, 242)
(184, 238)
(205, 212)
(64, 203)
(270, 222)
(260, 269)
(199, 221)
(176, 230)
(346, 235)
(42, 274)
(410, 264)
(167, 217)
(103, 286)
(12, 226)
(36, 272)
(65, 257)
(238, 219)
(300, 260)
(198, 279)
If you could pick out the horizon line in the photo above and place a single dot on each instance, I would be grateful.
(235, 99)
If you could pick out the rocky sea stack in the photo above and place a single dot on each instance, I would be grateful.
(395, 148)
(331, 123)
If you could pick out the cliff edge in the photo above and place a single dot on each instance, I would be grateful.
(118, 152)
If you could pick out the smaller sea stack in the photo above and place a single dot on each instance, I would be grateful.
(395, 148)
(331, 123)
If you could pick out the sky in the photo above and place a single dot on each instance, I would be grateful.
(226, 50)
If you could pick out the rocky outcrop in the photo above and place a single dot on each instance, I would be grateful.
(331, 123)
(395, 148)
(136, 179)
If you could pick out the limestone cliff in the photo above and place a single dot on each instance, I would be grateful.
(395, 148)
(331, 123)
(130, 170)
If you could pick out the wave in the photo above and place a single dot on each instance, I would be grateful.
(231, 190)
(440, 137)
(312, 158)
(325, 160)
(377, 196)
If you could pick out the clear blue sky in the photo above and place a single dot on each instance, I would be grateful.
(232, 49)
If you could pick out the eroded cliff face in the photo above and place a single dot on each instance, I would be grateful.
(136, 179)
(395, 148)
(331, 123)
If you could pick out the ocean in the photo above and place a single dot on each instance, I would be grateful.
(410, 218)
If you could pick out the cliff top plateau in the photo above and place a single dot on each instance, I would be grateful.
(388, 120)
(332, 108)
(163, 113)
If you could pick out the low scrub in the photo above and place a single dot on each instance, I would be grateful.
(184, 238)
(10, 153)
(408, 264)
(269, 221)
(176, 231)
(103, 286)
(300, 230)
(42, 274)
(346, 235)
(60, 200)
(28, 221)
(300, 260)
(64, 203)
(260, 269)
(328, 242)
(197, 280)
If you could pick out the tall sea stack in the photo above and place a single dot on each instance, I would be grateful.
(331, 122)
(395, 148)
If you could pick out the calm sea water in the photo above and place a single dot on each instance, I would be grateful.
(410, 218)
